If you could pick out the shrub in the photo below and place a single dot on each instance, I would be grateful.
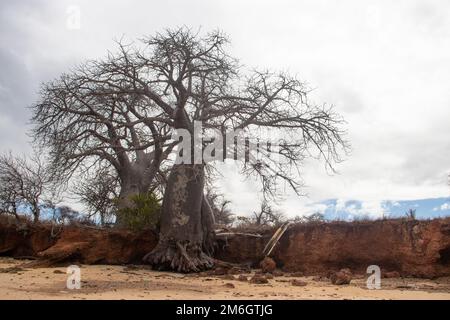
(144, 215)
(312, 218)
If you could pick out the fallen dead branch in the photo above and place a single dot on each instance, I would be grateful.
(233, 234)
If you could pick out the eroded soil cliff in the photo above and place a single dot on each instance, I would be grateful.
(410, 247)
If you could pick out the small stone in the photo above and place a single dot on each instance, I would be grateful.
(242, 278)
(277, 273)
(341, 277)
(298, 283)
(228, 277)
(58, 272)
(259, 279)
(229, 285)
(234, 270)
(320, 278)
(268, 265)
(346, 270)
(219, 271)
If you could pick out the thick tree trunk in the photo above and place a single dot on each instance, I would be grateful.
(36, 212)
(135, 179)
(125, 201)
(187, 236)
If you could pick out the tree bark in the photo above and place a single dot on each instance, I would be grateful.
(136, 178)
(186, 240)
(124, 202)
(36, 214)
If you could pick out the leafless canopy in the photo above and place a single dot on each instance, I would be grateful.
(119, 113)
(181, 70)
(88, 127)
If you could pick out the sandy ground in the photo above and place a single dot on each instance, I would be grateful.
(137, 282)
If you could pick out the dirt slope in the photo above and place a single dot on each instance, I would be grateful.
(413, 248)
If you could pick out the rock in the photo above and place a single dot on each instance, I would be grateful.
(391, 274)
(131, 267)
(219, 271)
(298, 283)
(59, 272)
(344, 276)
(229, 285)
(278, 273)
(228, 277)
(346, 270)
(242, 278)
(234, 270)
(406, 286)
(268, 265)
(259, 279)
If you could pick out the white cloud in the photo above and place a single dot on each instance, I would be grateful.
(372, 209)
(340, 204)
(445, 206)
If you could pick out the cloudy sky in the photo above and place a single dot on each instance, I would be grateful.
(385, 65)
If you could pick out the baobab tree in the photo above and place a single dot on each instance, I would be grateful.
(267, 215)
(122, 110)
(191, 78)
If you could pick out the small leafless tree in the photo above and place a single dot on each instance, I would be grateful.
(219, 205)
(27, 184)
(267, 215)
(10, 198)
(99, 193)
(411, 214)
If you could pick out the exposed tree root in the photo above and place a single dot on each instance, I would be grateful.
(179, 256)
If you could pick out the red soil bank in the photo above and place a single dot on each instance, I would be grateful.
(85, 245)
(412, 248)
